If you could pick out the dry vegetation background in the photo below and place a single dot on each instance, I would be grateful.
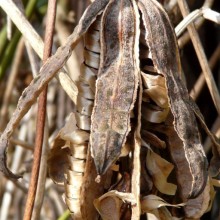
(18, 65)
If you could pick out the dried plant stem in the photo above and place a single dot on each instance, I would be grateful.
(10, 84)
(22, 144)
(186, 37)
(42, 177)
(207, 13)
(41, 116)
(215, 130)
(10, 186)
(201, 57)
(194, 93)
(33, 59)
(73, 64)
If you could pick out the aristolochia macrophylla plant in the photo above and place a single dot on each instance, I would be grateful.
(134, 119)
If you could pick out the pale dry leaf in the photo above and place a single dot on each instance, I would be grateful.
(161, 214)
(113, 200)
(212, 195)
(160, 169)
(155, 89)
(70, 132)
(106, 206)
(126, 197)
(151, 216)
(151, 202)
(215, 182)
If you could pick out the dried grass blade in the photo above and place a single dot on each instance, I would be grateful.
(202, 57)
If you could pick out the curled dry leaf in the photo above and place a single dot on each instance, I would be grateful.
(113, 200)
(151, 202)
(155, 89)
(60, 149)
(152, 139)
(58, 157)
(160, 169)
(161, 213)
(109, 203)
(146, 183)
(57, 161)
(106, 207)
(77, 172)
(175, 147)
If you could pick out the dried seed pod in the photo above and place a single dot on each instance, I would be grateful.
(79, 146)
(89, 70)
(79, 149)
(114, 101)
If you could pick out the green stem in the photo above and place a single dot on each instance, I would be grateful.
(3, 40)
(10, 48)
(65, 215)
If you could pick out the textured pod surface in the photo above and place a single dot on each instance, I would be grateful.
(167, 63)
(151, 137)
(116, 85)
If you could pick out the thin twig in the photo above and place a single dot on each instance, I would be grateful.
(21, 143)
(73, 64)
(58, 202)
(187, 20)
(215, 130)
(10, 187)
(201, 57)
(186, 37)
(33, 59)
(194, 93)
(10, 84)
(19, 185)
(41, 115)
(207, 13)
(42, 177)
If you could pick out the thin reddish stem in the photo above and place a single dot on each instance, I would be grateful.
(41, 115)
